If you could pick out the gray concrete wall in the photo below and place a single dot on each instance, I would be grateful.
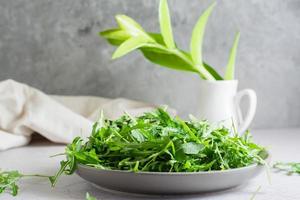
(54, 46)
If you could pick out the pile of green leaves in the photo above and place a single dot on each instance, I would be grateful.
(161, 49)
(158, 142)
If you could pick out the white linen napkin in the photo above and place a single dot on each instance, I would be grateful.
(25, 110)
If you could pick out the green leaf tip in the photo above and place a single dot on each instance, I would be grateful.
(198, 35)
(89, 197)
(229, 74)
(130, 25)
(115, 36)
(165, 24)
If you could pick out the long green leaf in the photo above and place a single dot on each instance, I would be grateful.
(229, 74)
(117, 36)
(213, 72)
(165, 24)
(130, 45)
(167, 59)
(198, 34)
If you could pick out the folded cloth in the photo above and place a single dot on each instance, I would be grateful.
(25, 110)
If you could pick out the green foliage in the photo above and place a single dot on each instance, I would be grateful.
(290, 167)
(229, 75)
(160, 48)
(8, 181)
(89, 197)
(74, 154)
(158, 142)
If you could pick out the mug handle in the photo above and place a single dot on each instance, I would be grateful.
(243, 123)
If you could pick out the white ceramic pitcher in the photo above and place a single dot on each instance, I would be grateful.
(220, 102)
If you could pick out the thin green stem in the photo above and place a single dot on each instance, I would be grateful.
(36, 175)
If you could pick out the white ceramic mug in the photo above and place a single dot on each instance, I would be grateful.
(219, 101)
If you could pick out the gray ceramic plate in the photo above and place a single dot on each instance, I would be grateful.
(168, 183)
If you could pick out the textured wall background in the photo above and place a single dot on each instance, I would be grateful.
(53, 45)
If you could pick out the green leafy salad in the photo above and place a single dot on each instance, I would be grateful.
(152, 142)
(158, 142)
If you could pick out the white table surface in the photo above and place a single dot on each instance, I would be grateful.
(284, 145)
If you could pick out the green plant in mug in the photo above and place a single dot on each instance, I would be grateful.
(161, 49)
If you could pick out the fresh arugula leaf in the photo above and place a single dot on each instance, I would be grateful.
(69, 165)
(138, 135)
(229, 74)
(89, 197)
(192, 148)
(8, 181)
(289, 167)
(63, 166)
